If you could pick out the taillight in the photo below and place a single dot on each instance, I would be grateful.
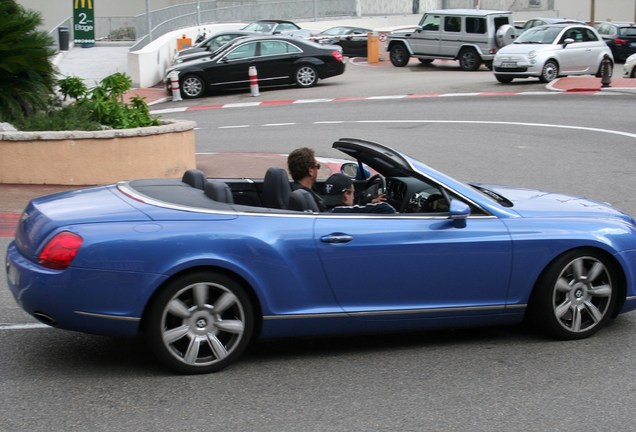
(619, 41)
(337, 55)
(60, 251)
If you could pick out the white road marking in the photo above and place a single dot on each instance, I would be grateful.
(27, 326)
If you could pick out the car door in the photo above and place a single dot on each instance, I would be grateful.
(275, 63)
(232, 69)
(426, 39)
(398, 264)
(580, 56)
(451, 36)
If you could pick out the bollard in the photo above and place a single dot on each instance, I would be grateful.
(253, 80)
(606, 78)
(174, 85)
(372, 48)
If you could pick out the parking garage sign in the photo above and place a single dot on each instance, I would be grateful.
(84, 21)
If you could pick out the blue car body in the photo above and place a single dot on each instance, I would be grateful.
(404, 271)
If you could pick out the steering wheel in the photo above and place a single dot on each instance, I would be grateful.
(374, 186)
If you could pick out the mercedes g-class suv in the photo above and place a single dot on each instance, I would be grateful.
(471, 36)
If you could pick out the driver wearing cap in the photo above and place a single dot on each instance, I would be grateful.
(339, 193)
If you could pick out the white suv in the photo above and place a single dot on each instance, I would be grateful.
(471, 36)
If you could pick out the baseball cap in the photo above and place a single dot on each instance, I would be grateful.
(335, 185)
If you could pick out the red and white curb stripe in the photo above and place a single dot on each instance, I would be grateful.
(365, 98)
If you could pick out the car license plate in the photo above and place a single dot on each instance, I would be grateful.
(508, 64)
(13, 275)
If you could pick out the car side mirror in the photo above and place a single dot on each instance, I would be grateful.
(567, 42)
(459, 212)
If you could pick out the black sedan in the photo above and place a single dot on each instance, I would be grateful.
(620, 37)
(277, 59)
(353, 40)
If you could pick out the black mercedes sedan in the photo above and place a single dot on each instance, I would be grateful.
(278, 60)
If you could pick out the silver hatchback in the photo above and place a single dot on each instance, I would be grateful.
(550, 51)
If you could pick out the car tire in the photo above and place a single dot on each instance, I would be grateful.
(192, 86)
(576, 295)
(504, 79)
(399, 56)
(549, 72)
(469, 60)
(306, 76)
(199, 323)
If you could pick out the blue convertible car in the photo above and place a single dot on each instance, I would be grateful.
(203, 267)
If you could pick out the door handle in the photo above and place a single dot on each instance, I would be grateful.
(336, 238)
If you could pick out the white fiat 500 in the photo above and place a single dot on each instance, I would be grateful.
(550, 51)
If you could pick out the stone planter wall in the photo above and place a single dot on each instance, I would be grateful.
(101, 157)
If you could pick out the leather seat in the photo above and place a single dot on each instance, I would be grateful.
(276, 188)
(195, 178)
(218, 191)
(302, 200)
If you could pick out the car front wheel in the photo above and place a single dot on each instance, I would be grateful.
(549, 72)
(576, 294)
(504, 79)
(199, 323)
(192, 86)
(399, 56)
(306, 76)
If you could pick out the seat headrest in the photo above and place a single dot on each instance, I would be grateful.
(276, 188)
(218, 191)
(195, 178)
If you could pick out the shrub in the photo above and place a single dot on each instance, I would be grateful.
(27, 77)
(105, 102)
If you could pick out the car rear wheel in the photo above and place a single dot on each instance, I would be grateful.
(504, 79)
(469, 60)
(192, 86)
(549, 72)
(575, 296)
(306, 76)
(199, 323)
(398, 55)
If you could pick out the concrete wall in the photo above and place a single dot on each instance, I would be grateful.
(87, 158)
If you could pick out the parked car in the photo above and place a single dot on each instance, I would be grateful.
(471, 36)
(534, 22)
(629, 67)
(282, 27)
(277, 59)
(209, 45)
(547, 52)
(353, 40)
(620, 37)
(200, 267)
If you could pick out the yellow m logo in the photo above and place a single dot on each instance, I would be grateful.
(84, 4)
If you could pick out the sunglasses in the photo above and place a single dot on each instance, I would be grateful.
(316, 165)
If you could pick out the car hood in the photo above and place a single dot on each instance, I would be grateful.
(522, 48)
(537, 203)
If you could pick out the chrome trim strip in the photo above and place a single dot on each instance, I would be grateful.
(630, 298)
(133, 194)
(113, 317)
(392, 312)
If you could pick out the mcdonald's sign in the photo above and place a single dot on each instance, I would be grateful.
(84, 22)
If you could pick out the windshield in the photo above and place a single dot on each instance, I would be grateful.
(539, 35)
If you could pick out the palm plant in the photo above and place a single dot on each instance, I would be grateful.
(27, 77)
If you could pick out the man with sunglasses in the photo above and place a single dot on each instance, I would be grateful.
(303, 168)
(339, 198)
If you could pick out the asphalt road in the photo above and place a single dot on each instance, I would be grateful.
(493, 379)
